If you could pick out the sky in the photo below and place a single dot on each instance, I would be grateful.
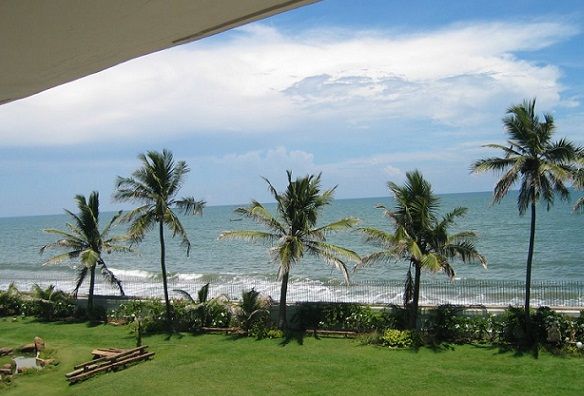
(360, 91)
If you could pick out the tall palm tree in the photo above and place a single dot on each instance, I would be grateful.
(293, 231)
(420, 237)
(154, 186)
(531, 159)
(85, 242)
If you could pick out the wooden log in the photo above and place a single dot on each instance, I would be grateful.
(106, 358)
(336, 332)
(108, 367)
(106, 352)
(5, 351)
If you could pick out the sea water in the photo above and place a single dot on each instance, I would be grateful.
(503, 237)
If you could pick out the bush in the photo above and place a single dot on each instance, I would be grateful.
(551, 328)
(51, 304)
(393, 317)
(150, 313)
(186, 315)
(448, 323)
(372, 338)
(10, 302)
(335, 316)
(274, 333)
(253, 315)
(399, 338)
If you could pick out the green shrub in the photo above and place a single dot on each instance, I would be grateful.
(186, 315)
(10, 301)
(445, 325)
(579, 327)
(274, 333)
(335, 316)
(371, 338)
(552, 329)
(51, 304)
(253, 315)
(510, 326)
(393, 317)
(150, 313)
(394, 338)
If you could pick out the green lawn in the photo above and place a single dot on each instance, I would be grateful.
(221, 365)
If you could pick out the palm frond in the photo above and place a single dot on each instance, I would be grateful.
(378, 237)
(330, 256)
(383, 256)
(190, 206)
(110, 277)
(250, 235)
(58, 259)
(174, 224)
(258, 213)
(339, 225)
(81, 274)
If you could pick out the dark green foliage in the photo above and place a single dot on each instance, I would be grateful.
(393, 317)
(253, 315)
(446, 323)
(579, 327)
(10, 302)
(335, 316)
(51, 304)
(188, 316)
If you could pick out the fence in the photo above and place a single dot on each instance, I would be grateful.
(432, 292)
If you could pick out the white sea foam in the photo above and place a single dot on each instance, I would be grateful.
(121, 273)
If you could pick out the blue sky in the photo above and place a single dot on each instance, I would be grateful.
(361, 91)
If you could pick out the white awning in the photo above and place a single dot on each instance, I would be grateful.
(47, 43)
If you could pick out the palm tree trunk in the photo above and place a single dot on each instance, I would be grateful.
(528, 272)
(90, 294)
(164, 281)
(414, 307)
(282, 321)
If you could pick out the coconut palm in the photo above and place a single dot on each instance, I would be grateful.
(531, 159)
(85, 242)
(420, 237)
(154, 186)
(293, 231)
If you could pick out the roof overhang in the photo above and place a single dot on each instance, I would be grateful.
(47, 43)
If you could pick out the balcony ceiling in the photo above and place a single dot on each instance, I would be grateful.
(47, 43)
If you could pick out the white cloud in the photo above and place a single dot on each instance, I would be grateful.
(258, 80)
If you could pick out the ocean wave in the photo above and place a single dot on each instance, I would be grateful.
(121, 273)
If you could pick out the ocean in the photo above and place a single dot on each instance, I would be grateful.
(503, 238)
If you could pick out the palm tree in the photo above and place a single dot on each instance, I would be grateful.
(540, 167)
(85, 242)
(154, 186)
(293, 232)
(420, 237)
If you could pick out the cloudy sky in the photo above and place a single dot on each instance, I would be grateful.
(361, 91)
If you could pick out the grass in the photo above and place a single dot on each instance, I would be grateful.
(219, 365)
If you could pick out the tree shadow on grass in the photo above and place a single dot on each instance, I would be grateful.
(173, 335)
(514, 350)
(294, 335)
(437, 348)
